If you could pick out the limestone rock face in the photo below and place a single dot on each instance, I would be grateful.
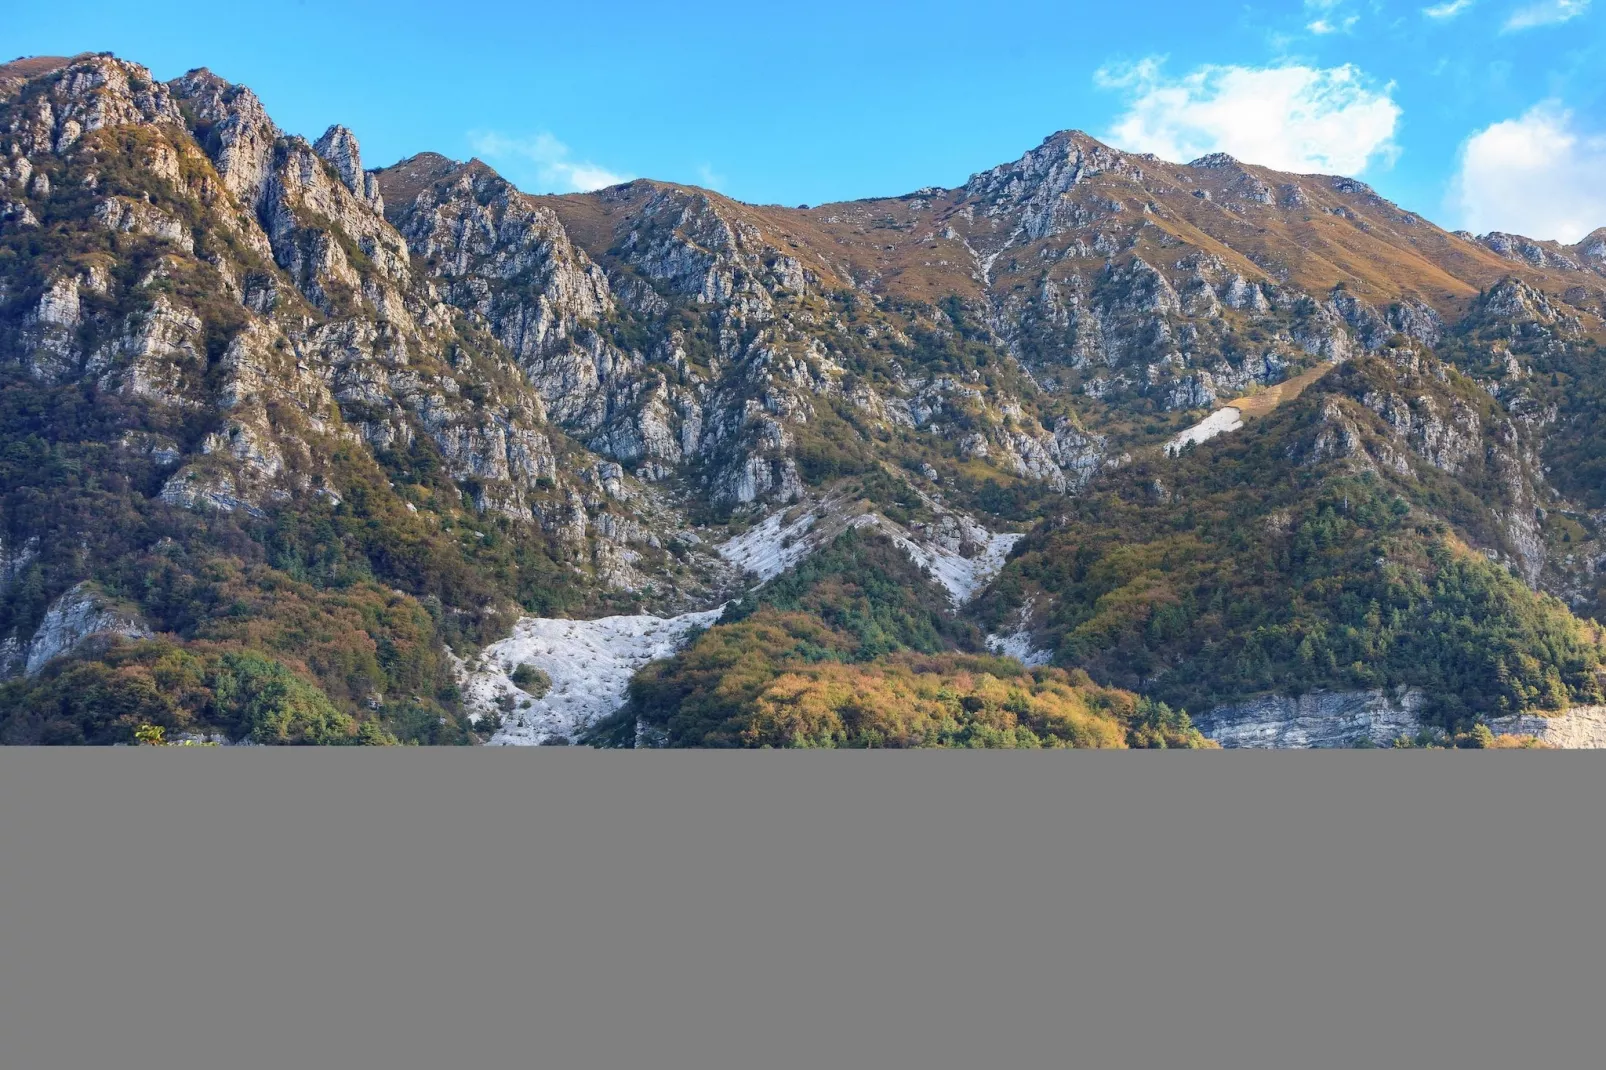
(1517, 302)
(158, 355)
(1351, 718)
(509, 264)
(339, 146)
(51, 330)
(71, 620)
(1444, 439)
(684, 241)
(1035, 185)
(334, 342)
(236, 133)
(1592, 250)
(301, 192)
(1417, 321)
(89, 94)
(131, 217)
(14, 559)
(1516, 247)
(1580, 728)
(1322, 719)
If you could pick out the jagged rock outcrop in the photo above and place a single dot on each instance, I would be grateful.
(1525, 250)
(509, 263)
(86, 96)
(1592, 250)
(333, 338)
(14, 559)
(72, 620)
(1034, 187)
(339, 146)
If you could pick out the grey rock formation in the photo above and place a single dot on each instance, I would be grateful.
(1580, 728)
(239, 136)
(1320, 719)
(73, 619)
(1526, 250)
(339, 146)
(14, 559)
(1346, 718)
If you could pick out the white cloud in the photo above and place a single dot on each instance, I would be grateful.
(1538, 175)
(1291, 118)
(709, 178)
(1447, 10)
(553, 169)
(1546, 13)
(1326, 17)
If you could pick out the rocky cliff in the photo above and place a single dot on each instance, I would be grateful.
(1378, 719)
(1331, 719)
(270, 400)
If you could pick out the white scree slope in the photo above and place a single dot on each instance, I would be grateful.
(1217, 423)
(590, 662)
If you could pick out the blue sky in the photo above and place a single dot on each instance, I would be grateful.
(1489, 114)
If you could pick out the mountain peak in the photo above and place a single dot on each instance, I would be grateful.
(23, 69)
(405, 179)
(426, 409)
(1593, 246)
(338, 145)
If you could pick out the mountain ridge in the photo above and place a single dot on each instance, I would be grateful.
(334, 429)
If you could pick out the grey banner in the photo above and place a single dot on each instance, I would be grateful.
(562, 908)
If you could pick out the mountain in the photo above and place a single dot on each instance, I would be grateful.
(295, 450)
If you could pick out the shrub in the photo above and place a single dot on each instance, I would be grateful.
(531, 680)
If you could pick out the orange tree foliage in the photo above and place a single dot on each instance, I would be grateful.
(935, 701)
(780, 679)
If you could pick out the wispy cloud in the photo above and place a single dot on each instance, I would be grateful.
(1448, 10)
(1326, 26)
(1538, 175)
(546, 160)
(1546, 13)
(1328, 19)
(1293, 118)
(710, 178)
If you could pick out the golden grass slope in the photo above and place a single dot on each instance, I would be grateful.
(1308, 231)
